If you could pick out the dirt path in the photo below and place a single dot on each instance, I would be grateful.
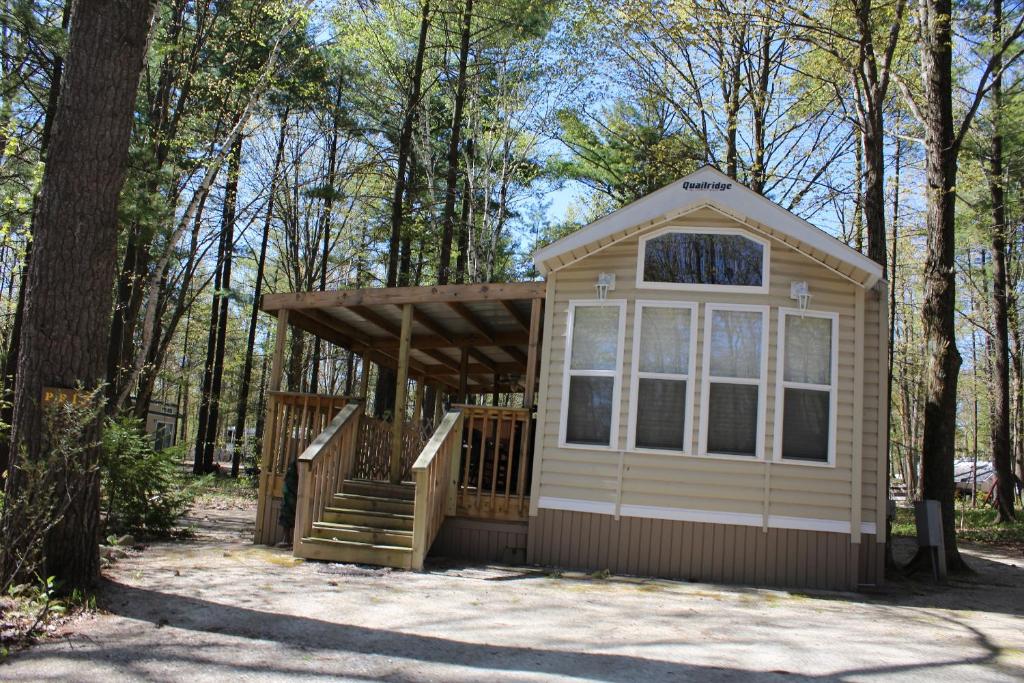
(219, 608)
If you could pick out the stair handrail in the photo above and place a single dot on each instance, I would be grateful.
(436, 473)
(323, 468)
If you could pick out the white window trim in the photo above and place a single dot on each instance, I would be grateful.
(681, 286)
(637, 375)
(781, 385)
(615, 374)
(707, 379)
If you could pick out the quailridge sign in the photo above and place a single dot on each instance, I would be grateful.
(713, 186)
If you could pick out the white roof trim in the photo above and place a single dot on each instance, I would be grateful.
(703, 186)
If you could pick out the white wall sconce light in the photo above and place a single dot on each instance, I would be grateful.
(605, 283)
(800, 292)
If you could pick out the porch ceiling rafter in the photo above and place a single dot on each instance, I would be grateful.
(322, 326)
(395, 331)
(473, 336)
(483, 328)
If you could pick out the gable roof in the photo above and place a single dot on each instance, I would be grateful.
(708, 187)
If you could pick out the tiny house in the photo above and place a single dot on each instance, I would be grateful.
(703, 391)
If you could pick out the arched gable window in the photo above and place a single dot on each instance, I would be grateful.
(721, 259)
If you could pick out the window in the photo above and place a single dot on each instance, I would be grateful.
(733, 390)
(593, 373)
(702, 259)
(806, 387)
(661, 395)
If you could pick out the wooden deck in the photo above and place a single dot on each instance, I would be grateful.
(475, 465)
(470, 343)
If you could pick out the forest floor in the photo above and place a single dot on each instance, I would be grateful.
(214, 607)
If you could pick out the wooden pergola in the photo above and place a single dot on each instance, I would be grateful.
(461, 339)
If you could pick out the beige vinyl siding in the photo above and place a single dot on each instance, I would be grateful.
(873, 482)
(704, 482)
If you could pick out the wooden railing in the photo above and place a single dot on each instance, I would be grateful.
(496, 462)
(436, 473)
(374, 453)
(323, 468)
(293, 420)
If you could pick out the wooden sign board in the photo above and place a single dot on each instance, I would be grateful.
(61, 396)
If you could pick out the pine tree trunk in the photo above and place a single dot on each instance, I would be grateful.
(230, 202)
(452, 178)
(405, 149)
(246, 378)
(205, 390)
(328, 210)
(938, 309)
(1002, 459)
(10, 368)
(384, 396)
(70, 280)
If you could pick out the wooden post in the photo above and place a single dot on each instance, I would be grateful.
(401, 386)
(463, 375)
(529, 386)
(265, 523)
(277, 365)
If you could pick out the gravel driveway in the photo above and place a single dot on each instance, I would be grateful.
(218, 608)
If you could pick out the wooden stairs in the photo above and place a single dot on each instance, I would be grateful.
(369, 522)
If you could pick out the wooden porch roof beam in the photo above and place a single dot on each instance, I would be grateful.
(479, 369)
(403, 295)
(321, 325)
(383, 323)
(485, 329)
(523, 320)
(423, 342)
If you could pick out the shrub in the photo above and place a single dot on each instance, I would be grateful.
(143, 489)
(46, 486)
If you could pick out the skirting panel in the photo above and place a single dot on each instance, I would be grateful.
(697, 551)
(478, 540)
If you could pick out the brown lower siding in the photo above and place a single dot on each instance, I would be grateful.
(695, 551)
(481, 541)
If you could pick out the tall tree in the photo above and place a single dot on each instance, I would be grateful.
(1002, 458)
(452, 177)
(69, 284)
(10, 365)
(261, 261)
(942, 143)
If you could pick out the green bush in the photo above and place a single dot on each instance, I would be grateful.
(144, 490)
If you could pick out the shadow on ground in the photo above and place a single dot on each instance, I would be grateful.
(309, 634)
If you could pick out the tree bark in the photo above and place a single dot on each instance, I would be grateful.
(328, 210)
(1002, 459)
(10, 369)
(246, 377)
(230, 203)
(938, 310)
(384, 397)
(405, 148)
(69, 285)
(452, 178)
(462, 275)
(206, 389)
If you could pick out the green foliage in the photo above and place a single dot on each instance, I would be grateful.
(973, 524)
(46, 485)
(144, 489)
(629, 152)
